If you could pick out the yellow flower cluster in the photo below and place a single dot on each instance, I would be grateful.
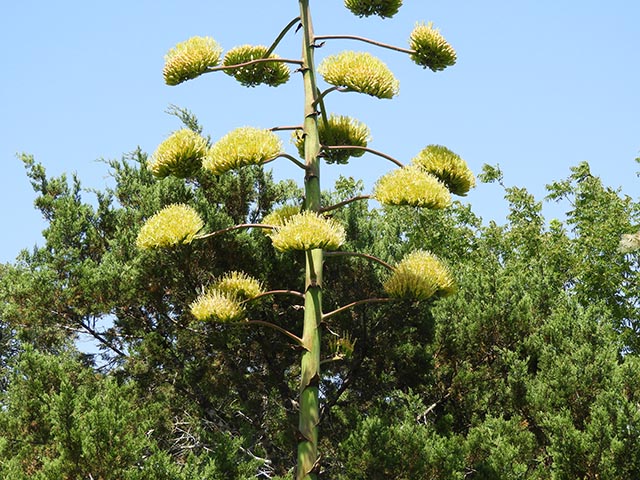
(360, 72)
(179, 155)
(240, 147)
(222, 302)
(238, 285)
(278, 217)
(339, 130)
(419, 276)
(449, 167)
(190, 59)
(306, 231)
(174, 224)
(365, 8)
(269, 73)
(431, 49)
(217, 306)
(412, 186)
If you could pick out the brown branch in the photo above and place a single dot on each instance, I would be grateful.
(355, 304)
(286, 127)
(284, 331)
(344, 202)
(253, 62)
(288, 157)
(365, 40)
(277, 292)
(369, 150)
(230, 229)
(361, 255)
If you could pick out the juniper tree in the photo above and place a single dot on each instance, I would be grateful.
(427, 182)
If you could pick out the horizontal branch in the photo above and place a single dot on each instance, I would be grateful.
(355, 304)
(361, 255)
(235, 227)
(365, 40)
(277, 292)
(286, 127)
(369, 150)
(343, 203)
(297, 340)
(253, 62)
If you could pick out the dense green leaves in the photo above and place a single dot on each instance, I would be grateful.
(529, 371)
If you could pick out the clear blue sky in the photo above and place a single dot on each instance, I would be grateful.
(539, 86)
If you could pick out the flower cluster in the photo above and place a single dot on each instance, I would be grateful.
(338, 130)
(190, 59)
(223, 301)
(179, 155)
(217, 306)
(419, 276)
(412, 186)
(174, 224)
(366, 8)
(239, 285)
(448, 167)
(240, 147)
(306, 231)
(360, 72)
(270, 73)
(278, 217)
(431, 49)
(629, 242)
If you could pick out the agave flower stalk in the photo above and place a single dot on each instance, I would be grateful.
(309, 416)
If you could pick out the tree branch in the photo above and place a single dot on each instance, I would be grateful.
(355, 304)
(365, 40)
(362, 255)
(321, 95)
(369, 150)
(297, 340)
(288, 157)
(286, 127)
(281, 36)
(230, 229)
(277, 292)
(253, 62)
(344, 202)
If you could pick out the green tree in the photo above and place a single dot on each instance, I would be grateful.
(519, 375)
(531, 376)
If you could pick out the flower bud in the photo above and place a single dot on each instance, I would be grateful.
(419, 276)
(431, 49)
(238, 285)
(278, 217)
(412, 186)
(306, 231)
(190, 59)
(365, 8)
(360, 72)
(174, 224)
(240, 147)
(339, 130)
(179, 155)
(218, 307)
(270, 73)
(448, 167)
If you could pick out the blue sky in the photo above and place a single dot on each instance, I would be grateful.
(538, 87)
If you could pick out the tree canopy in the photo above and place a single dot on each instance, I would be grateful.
(529, 371)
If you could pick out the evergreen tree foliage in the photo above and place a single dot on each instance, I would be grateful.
(530, 371)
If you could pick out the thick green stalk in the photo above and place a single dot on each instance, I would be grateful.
(310, 364)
